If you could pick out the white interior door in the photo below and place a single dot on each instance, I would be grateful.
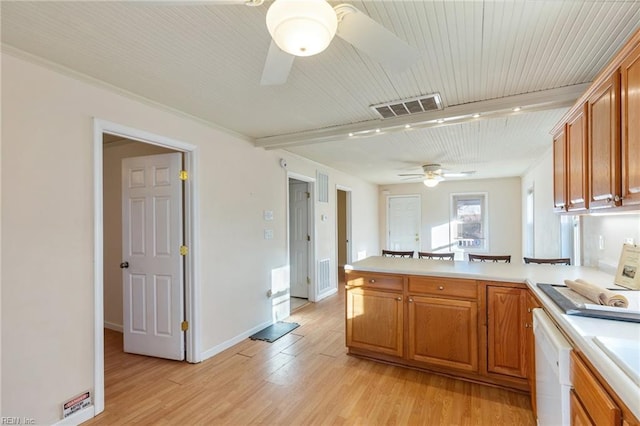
(299, 237)
(152, 273)
(403, 223)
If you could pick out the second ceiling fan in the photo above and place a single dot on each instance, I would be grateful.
(434, 174)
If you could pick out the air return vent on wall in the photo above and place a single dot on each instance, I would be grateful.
(417, 105)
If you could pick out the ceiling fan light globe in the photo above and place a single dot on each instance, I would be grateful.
(431, 182)
(302, 27)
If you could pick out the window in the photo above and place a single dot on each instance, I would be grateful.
(469, 221)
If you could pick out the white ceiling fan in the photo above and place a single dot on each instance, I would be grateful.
(434, 174)
(306, 27)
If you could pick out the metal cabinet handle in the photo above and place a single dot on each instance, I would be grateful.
(372, 281)
(441, 288)
(399, 299)
(411, 300)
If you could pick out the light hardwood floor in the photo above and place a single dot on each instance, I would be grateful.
(304, 378)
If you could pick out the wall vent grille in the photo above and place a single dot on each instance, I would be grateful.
(432, 102)
(324, 275)
(323, 187)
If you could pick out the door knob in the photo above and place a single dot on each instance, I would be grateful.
(124, 265)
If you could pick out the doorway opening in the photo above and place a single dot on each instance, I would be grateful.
(301, 241)
(343, 229)
(105, 246)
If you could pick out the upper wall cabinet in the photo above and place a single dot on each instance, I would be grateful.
(559, 171)
(603, 110)
(630, 76)
(577, 171)
(599, 165)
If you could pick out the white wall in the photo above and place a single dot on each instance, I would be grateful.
(547, 242)
(504, 211)
(47, 276)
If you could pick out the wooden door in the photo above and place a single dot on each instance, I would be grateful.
(630, 96)
(506, 342)
(443, 332)
(577, 183)
(375, 321)
(153, 282)
(560, 171)
(604, 145)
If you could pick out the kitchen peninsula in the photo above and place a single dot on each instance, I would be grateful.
(473, 321)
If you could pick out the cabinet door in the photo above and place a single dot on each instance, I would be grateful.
(559, 171)
(604, 145)
(506, 338)
(374, 320)
(576, 135)
(601, 408)
(530, 359)
(579, 416)
(630, 94)
(444, 332)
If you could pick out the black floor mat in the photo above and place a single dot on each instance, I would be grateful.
(275, 331)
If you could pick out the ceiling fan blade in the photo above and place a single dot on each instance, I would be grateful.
(373, 39)
(458, 174)
(412, 174)
(276, 67)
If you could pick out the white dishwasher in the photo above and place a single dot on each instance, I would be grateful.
(553, 381)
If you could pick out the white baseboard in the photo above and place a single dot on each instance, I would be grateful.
(77, 418)
(114, 327)
(226, 345)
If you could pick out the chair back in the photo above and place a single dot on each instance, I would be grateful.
(439, 256)
(485, 257)
(395, 253)
(540, 261)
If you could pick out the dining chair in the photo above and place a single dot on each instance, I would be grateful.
(486, 257)
(395, 253)
(556, 261)
(437, 256)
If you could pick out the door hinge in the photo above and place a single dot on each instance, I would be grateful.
(308, 237)
(308, 281)
(308, 194)
(184, 250)
(184, 325)
(184, 175)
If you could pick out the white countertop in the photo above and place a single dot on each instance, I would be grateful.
(581, 330)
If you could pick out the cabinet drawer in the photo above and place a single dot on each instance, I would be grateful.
(375, 280)
(443, 287)
(601, 408)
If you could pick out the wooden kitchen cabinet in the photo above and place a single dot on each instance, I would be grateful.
(603, 108)
(375, 320)
(443, 332)
(559, 171)
(576, 171)
(590, 401)
(506, 337)
(630, 104)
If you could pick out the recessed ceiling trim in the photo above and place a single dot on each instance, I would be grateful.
(493, 108)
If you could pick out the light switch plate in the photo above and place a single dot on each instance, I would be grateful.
(268, 214)
(268, 234)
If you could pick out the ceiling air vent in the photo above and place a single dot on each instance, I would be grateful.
(409, 106)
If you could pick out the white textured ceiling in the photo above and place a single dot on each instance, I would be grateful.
(206, 60)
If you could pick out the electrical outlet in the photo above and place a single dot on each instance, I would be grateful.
(601, 242)
(268, 234)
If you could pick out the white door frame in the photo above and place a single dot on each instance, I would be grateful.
(311, 182)
(389, 197)
(191, 233)
(348, 208)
